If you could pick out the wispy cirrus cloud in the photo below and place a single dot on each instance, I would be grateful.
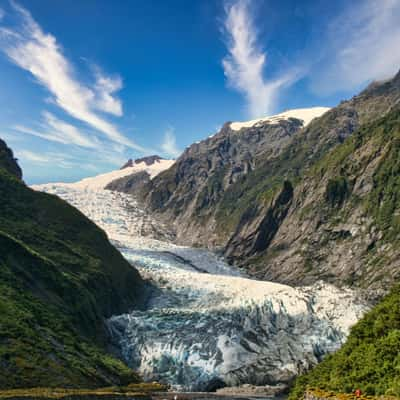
(361, 44)
(64, 160)
(39, 53)
(246, 61)
(32, 156)
(55, 159)
(2, 13)
(55, 130)
(168, 145)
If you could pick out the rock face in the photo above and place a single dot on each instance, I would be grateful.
(189, 192)
(8, 162)
(149, 160)
(341, 222)
(133, 176)
(130, 183)
(254, 194)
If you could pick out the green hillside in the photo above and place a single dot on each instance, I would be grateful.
(59, 279)
(370, 359)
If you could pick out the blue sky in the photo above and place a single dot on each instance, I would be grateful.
(86, 85)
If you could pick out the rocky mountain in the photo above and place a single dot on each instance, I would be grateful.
(149, 160)
(340, 222)
(130, 183)
(134, 175)
(190, 191)
(255, 193)
(60, 278)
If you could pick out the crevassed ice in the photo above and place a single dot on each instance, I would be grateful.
(207, 324)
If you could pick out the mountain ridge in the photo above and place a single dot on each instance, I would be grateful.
(148, 160)
(214, 202)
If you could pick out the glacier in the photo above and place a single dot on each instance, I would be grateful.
(207, 324)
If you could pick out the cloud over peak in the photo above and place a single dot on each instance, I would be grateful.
(245, 63)
(168, 145)
(361, 44)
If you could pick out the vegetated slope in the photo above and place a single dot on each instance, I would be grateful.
(256, 218)
(59, 279)
(343, 221)
(369, 360)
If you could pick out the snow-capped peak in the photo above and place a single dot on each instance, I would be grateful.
(99, 182)
(304, 114)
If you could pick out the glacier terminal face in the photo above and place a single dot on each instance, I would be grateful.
(207, 325)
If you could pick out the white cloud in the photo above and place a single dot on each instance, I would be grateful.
(105, 87)
(67, 160)
(362, 44)
(69, 132)
(169, 146)
(27, 155)
(244, 65)
(39, 53)
(2, 13)
(55, 130)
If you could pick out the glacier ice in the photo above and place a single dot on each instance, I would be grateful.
(207, 322)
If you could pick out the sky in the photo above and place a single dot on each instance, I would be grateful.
(85, 85)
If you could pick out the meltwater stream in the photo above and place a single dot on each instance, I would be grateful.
(207, 325)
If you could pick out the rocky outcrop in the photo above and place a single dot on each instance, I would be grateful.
(148, 160)
(8, 162)
(129, 184)
(258, 226)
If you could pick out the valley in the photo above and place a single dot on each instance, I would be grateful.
(207, 325)
(199, 200)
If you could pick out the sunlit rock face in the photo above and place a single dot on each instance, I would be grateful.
(207, 325)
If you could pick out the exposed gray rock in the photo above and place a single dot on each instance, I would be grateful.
(148, 160)
(129, 184)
